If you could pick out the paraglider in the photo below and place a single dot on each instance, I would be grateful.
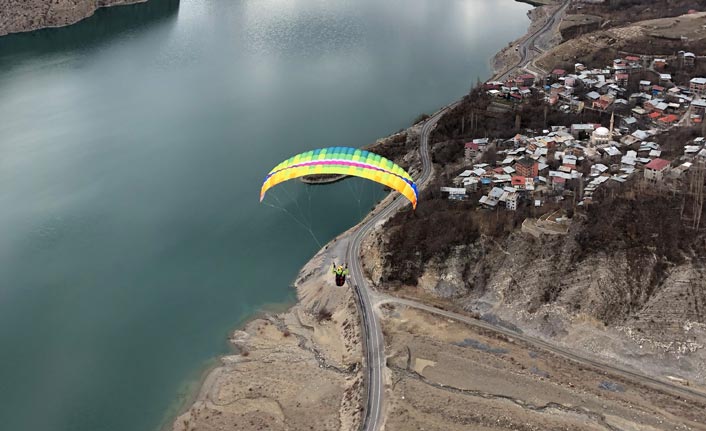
(343, 161)
(341, 273)
(348, 162)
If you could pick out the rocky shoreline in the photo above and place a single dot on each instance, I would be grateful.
(301, 369)
(28, 15)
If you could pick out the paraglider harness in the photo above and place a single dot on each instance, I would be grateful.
(341, 274)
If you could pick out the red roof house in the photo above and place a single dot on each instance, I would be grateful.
(518, 181)
(657, 164)
(671, 118)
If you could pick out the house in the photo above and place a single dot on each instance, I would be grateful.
(629, 123)
(558, 73)
(603, 102)
(471, 150)
(656, 105)
(455, 193)
(699, 106)
(579, 67)
(654, 115)
(601, 87)
(659, 63)
(661, 107)
(689, 59)
(633, 60)
(598, 169)
(655, 170)
(645, 86)
(527, 167)
(657, 90)
(638, 112)
(519, 182)
(613, 154)
(525, 80)
(579, 130)
(641, 135)
(669, 119)
(697, 86)
(615, 90)
(558, 183)
(674, 94)
(622, 79)
(665, 78)
(510, 199)
(471, 183)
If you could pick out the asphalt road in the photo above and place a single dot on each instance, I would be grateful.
(373, 340)
(528, 44)
(374, 343)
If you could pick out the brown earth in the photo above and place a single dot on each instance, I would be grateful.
(657, 37)
(577, 24)
(296, 370)
(444, 375)
(625, 284)
(621, 12)
(26, 15)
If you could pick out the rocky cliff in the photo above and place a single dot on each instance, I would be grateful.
(627, 282)
(26, 15)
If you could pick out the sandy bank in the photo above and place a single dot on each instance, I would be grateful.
(296, 370)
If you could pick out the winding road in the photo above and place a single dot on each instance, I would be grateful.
(527, 45)
(373, 341)
(368, 300)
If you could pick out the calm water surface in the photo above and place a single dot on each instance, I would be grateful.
(132, 148)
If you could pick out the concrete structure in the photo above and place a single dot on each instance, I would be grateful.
(689, 59)
(525, 80)
(526, 167)
(697, 86)
(655, 170)
(601, 136)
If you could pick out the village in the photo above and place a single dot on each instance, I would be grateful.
(567, 166)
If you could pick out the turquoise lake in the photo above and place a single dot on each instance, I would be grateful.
(132, 149)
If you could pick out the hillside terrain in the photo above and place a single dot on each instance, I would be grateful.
(626, 282)
(26, 15)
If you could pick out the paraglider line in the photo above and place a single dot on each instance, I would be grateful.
(296, 219)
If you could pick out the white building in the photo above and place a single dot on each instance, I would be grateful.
(601, 136)
(655, 170)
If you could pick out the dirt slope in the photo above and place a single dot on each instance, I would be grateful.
(26, 15)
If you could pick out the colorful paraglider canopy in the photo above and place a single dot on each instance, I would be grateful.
(343, 161)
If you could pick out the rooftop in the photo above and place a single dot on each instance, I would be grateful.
(657, 164)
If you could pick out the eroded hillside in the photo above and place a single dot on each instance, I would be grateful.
(27, 15)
